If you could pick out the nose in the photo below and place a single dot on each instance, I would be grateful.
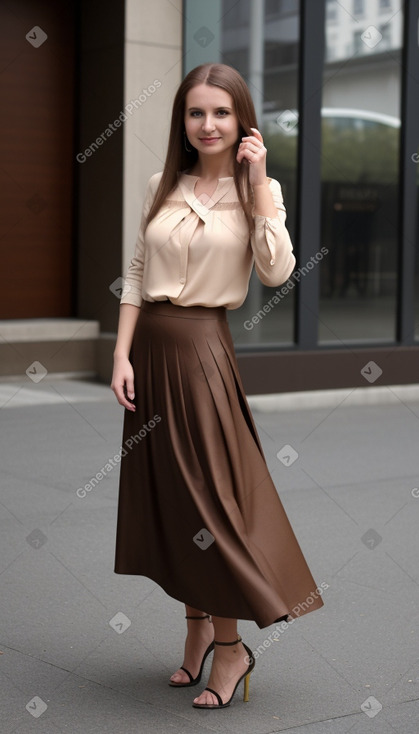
(208, 124)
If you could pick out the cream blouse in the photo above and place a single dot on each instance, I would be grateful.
(198, 252)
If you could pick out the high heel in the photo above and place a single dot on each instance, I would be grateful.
(194, 681)
(246, 676)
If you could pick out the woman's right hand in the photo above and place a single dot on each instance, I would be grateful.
(123, 382)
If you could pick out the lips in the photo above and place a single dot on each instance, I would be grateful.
(207, 140)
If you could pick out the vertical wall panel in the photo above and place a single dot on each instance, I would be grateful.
(36, 144)
(99, 160)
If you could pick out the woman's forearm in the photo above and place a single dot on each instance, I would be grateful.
(128, 316)
(264, 203)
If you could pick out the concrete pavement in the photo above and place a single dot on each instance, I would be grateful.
(85, 650)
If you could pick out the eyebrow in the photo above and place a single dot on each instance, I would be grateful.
(222, 107)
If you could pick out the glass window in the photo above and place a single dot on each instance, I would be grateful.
(234, 14)
(358, 7)
(357, 44)
(360, 159)
(273, 7)
(274, 93)
(415, 160)
(331, 10)
(386, 41)
(268, 61)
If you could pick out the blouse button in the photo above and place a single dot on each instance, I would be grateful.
(272, 262)
(181, 280)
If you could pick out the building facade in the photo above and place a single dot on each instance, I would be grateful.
(336, 90)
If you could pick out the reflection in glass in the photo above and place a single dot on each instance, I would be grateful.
(415, 159)
(360, 157)
(261, 40)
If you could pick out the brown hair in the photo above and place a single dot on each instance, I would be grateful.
(179, 159)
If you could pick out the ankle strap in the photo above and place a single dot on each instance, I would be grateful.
(239, 639)
(206, 616)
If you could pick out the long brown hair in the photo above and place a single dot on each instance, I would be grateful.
(179, 159)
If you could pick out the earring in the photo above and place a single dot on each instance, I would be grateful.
(185, 142)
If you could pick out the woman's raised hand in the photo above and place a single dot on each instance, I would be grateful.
(254, 152)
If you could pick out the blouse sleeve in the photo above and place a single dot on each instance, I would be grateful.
(271, 243)
(131, 292)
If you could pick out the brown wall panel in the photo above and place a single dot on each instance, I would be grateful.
(36, 149)
(272, 372)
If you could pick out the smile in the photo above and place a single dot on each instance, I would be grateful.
(209, 140)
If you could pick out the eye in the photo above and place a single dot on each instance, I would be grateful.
(198, 113)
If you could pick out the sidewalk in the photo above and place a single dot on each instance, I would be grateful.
(87, 651)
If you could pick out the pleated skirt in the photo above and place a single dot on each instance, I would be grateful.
(198, 512)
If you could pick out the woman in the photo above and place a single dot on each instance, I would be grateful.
(198, 512)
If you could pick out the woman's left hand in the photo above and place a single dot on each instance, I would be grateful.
(254, 152)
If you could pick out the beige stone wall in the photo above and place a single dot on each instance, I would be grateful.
(153, 55)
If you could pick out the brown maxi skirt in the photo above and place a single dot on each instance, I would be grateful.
(198, 512)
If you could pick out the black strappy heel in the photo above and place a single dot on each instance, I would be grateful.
(194, 681)
(246, 676)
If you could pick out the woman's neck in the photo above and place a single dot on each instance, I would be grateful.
(210, 168)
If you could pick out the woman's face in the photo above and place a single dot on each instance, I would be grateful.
(211, 123)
